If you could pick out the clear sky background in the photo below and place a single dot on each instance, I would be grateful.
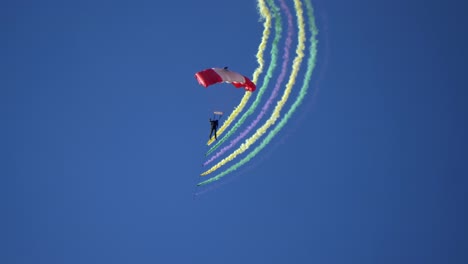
(104, 129)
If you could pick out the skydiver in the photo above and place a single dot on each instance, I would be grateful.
(214, 127)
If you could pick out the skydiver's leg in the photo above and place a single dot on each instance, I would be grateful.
(211, 133)
(216, 134)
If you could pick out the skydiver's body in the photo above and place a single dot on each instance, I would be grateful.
(214, 128)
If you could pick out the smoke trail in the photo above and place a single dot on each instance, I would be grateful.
(264, 13)
(266, 80)
(292, 79)
(310, 67)
(276, 89)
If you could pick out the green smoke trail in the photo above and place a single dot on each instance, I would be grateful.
(310, 67)
(266, 79)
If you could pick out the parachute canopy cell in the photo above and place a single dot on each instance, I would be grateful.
(218, 75)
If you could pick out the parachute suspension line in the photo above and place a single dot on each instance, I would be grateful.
(303, 91)
(274, 93)
(265, 14)
(276, 112)
(266, 79)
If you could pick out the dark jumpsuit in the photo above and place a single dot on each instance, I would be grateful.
(214, 128)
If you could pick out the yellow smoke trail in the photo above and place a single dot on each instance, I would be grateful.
(276, 113)
(264, 13)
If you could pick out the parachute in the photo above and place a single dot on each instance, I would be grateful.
(218, 75)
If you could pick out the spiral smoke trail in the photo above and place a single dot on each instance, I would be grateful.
(276, 89)
(303, 91)
(265, 14)
(266, 80)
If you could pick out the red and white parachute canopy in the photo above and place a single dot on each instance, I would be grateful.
(217, 75)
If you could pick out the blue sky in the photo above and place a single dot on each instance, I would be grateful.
(105, 130)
